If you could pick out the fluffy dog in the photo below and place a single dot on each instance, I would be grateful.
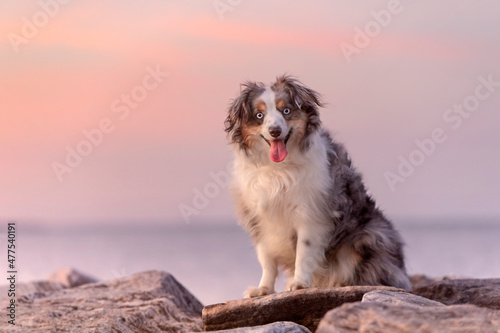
(299, 197)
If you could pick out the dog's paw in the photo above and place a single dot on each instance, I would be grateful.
(257, 291)
(297, 285)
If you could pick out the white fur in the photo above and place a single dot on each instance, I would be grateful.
(288, 199)
(273, 116)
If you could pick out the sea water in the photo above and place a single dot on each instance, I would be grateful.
(217, 262)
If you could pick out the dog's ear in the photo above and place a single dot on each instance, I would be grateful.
(304, 98)
(239, 111)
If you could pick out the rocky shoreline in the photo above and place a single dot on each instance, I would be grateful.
(154, 301)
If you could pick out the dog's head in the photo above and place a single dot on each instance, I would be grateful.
(270, 117)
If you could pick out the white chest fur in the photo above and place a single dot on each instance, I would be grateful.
(285, 197)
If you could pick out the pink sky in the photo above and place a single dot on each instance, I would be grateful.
(66, 77)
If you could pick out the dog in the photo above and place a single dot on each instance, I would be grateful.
(297, 194)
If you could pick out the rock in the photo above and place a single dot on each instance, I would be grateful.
(420, 279)
(278, 327)
(28, 288)
(392, 297)
(152, 301)
(480, 292)
(417, 279)
(388, 318)
(70, 277)
(305, 307)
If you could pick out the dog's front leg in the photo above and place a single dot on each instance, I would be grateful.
(309, 254)
(269, 273)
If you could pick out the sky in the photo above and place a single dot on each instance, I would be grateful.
(112, 112)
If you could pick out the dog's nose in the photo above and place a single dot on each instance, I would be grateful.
(275, 131)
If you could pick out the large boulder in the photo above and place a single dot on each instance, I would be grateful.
(278, 327)
(391, 297)
(480, 292)
(152, 301)
(376, 317)
(305, 307)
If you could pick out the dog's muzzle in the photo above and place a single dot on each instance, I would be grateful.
(278, 146)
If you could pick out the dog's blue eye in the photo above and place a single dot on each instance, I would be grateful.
(259, 115)
(286, 111)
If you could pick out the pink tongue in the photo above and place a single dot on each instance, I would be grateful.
(278, 150)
